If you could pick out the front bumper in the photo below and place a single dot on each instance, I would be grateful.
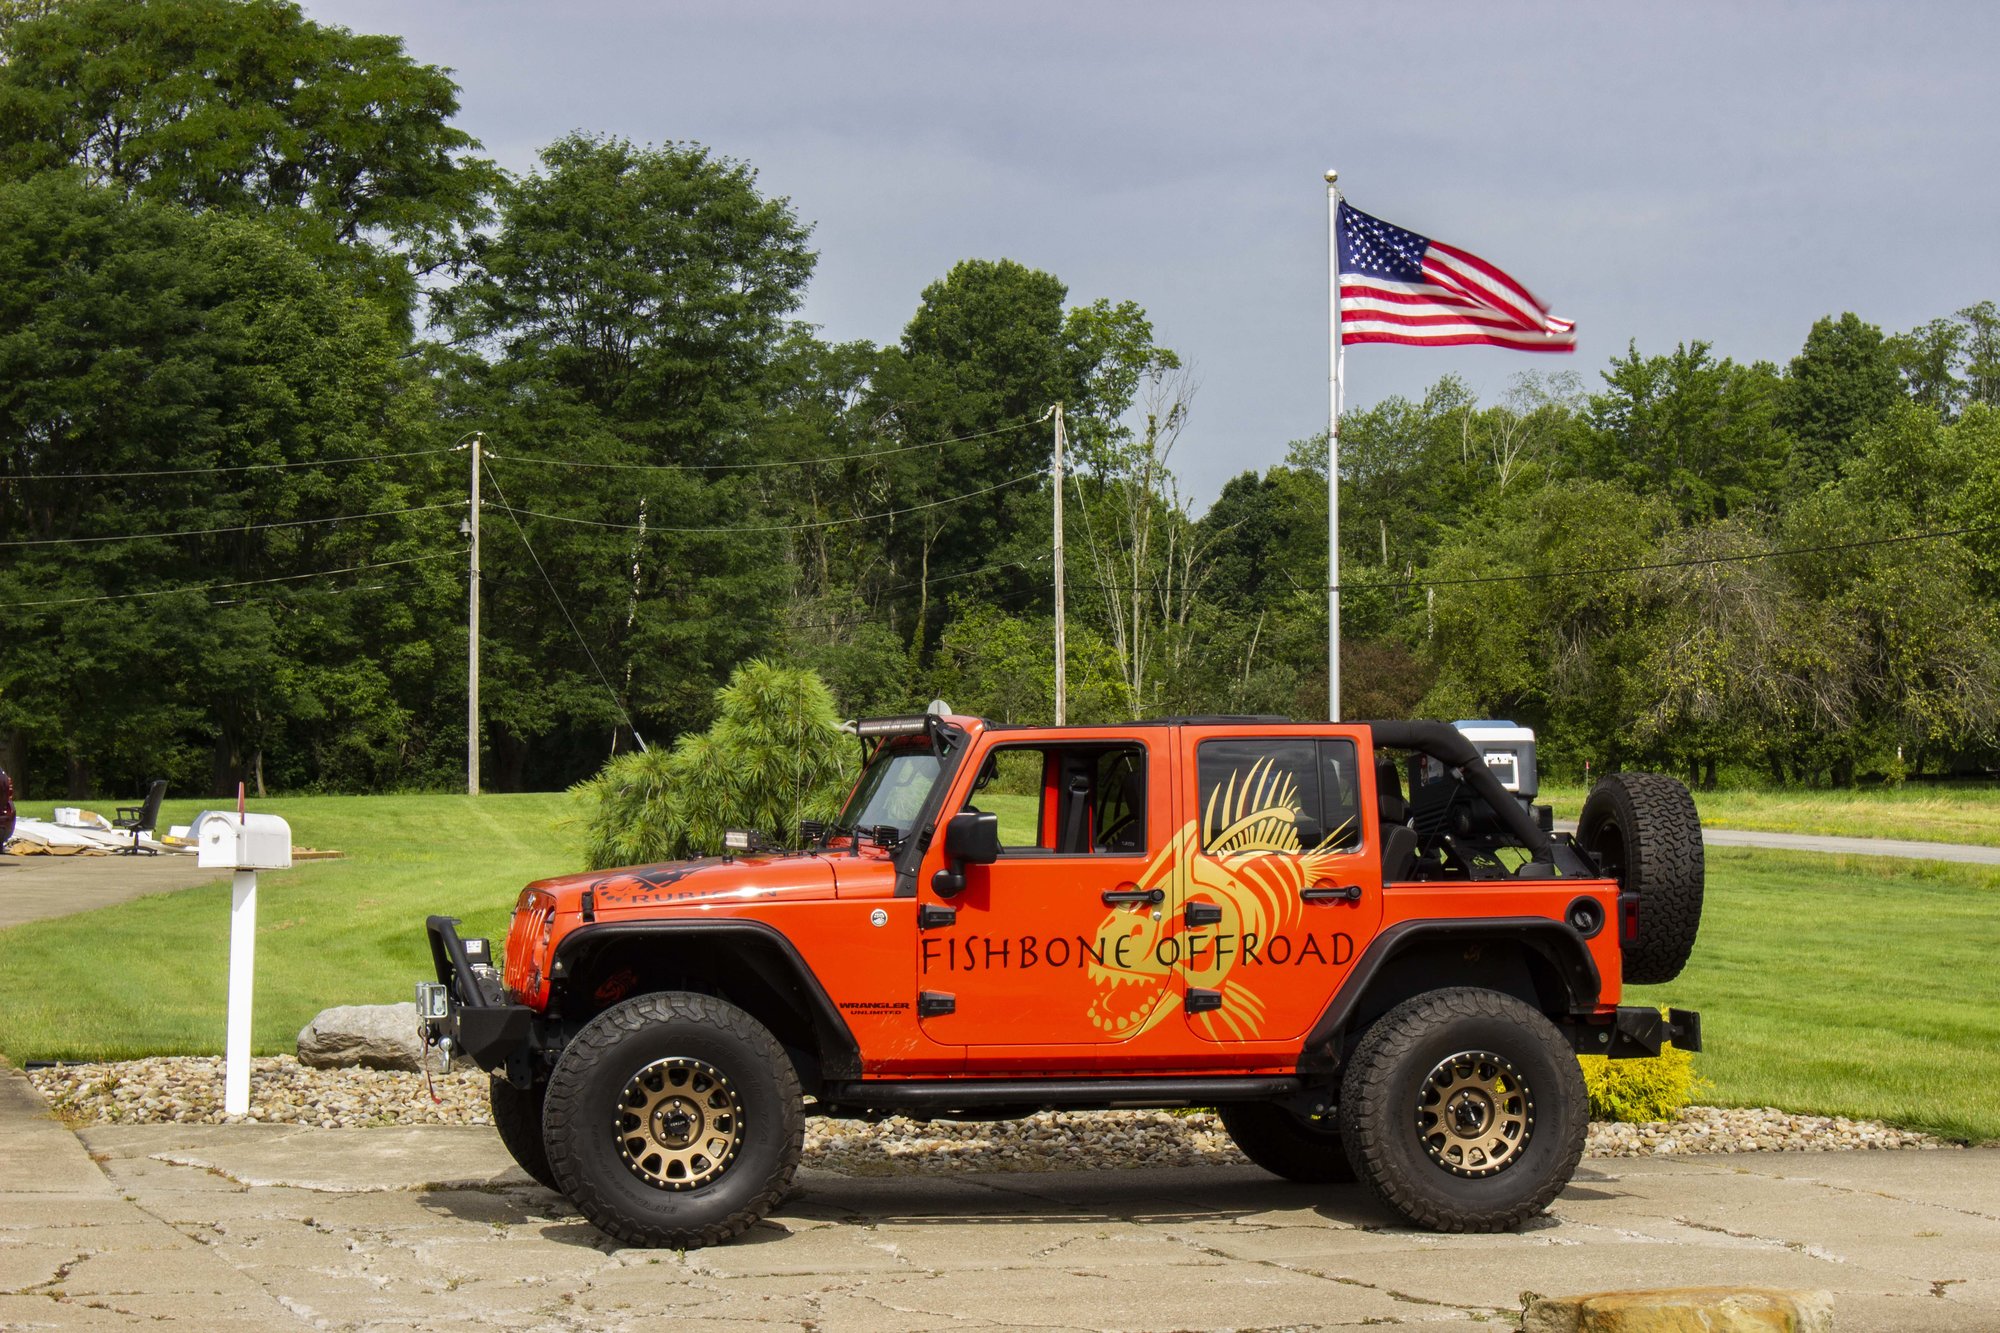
(465, 1012)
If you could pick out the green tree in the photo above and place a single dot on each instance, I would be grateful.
(989, 351)
(1843, 381)
(629, 313)
(342, 142)
(775, 756)
(1929, 357)
(140, 343)
(1686, 426)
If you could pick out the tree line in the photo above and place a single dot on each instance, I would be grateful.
(259, 293)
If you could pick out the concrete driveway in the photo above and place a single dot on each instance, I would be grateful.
(33, 888)
(270, 1227)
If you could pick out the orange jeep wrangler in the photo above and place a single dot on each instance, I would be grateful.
(1243, 913)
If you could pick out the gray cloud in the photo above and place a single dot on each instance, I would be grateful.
(1728, 172)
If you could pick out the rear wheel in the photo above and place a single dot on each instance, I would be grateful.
(1302, 1148)
(1464, 1110)
(674, 1119)
(517, 1114)
(1643, 830)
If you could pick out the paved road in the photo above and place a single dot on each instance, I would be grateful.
(267, 1227)
(1814, 842)
(33, 888)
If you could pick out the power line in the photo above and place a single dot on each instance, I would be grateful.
(206, 471)
(1013, 425)
(772, 527)
(1674, 564)
(555, 592)
(217, 587)
(865, 617)
(235, 528)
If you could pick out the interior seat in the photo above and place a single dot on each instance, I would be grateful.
(1399, 841)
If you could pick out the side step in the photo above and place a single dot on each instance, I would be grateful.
(1047, 1094)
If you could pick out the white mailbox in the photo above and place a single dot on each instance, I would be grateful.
(224, 840)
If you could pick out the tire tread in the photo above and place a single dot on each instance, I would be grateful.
(561, 1115)
(1367, 1117)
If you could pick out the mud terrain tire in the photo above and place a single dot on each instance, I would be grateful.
(674, 1119)
(1439, 1080)
(1308, 1151)
(1644, 832)
(517, 1114)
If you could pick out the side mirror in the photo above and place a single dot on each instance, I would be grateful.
(971, 838)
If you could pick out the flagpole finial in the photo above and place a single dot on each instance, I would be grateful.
(1331, 175)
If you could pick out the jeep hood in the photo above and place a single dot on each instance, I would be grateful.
(711, 879)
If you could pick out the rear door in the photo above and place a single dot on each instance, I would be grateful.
(1281, 887)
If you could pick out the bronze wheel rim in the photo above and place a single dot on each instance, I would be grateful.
(1475, 1114)
(678, 1123)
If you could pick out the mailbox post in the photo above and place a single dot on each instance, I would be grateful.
(244, 843)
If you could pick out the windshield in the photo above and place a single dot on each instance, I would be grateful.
(892, 791)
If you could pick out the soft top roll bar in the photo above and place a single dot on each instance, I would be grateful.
(1447, 744)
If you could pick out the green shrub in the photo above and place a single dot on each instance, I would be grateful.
(776, 755)
(1636, 1091)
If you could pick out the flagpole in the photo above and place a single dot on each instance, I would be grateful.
(1333, 448)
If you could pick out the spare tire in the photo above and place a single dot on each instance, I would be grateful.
(1643, 831)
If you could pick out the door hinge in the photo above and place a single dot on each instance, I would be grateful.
(1204, 914)
(936, 916)
(1201, 1001)
(935, 1004)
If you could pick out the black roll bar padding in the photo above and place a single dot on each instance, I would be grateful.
(1447, 744)
(448, 952)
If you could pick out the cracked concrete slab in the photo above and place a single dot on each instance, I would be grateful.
(257, 1226)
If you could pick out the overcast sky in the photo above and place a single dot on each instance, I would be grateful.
(1656, 173)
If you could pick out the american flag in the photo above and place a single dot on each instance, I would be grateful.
(1399, 287)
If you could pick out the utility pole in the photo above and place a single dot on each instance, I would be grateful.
(1062, 646)
(472, 638)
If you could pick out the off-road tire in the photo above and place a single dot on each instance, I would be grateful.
(1306, 1150)
(1388, 1074)
(579, 1120)
(517, 1114)
(1644, 832)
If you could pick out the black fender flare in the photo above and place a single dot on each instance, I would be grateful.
(1554, 941)
(771, 957)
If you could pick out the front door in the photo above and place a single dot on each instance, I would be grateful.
(1047, 945)
(1282, 884)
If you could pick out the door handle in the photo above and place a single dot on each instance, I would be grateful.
(1327, 893)
(1114, 897)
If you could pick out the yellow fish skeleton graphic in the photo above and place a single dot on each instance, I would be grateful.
(1252, 869)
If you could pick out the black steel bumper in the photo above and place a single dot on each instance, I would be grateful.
(478, 1021)
(1636, 1032)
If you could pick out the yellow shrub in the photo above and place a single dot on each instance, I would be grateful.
(1636, 1091)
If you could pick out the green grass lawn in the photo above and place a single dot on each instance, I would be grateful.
(1857, 986)
(1966, 812)
(149, 977)
(1849, 985)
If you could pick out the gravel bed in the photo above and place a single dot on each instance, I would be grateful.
(188, 1090)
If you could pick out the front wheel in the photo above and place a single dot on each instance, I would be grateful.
(517, 1114)
(1302, 1148)
(1464, 1110)
(674, 1119)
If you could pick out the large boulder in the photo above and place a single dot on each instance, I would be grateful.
(374, 1036)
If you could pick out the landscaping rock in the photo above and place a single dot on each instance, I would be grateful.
(1683, 1310)
(373, 1036)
